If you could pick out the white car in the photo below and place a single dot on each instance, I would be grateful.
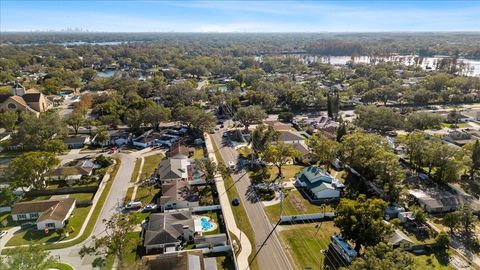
(2, 233)
(231, 165)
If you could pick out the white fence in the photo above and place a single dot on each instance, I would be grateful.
(307, 217)
(206, 208)
(217, 249)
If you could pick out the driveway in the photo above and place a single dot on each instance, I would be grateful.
(272, 255)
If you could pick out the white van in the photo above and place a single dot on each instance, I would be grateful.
(231, 165)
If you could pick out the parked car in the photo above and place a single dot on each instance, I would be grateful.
(149, 207)
(133, 205)
(231, 165)
(2, 234)
(235, 201)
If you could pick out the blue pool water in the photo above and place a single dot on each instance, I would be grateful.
(206, 225)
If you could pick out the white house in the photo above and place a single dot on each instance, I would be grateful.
(83, 167)
(50, 214)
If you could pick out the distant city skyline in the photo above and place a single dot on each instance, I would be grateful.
(240, 16)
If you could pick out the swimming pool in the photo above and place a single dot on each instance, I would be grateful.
(206, 225)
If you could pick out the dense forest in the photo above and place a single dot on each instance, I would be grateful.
(461, 44)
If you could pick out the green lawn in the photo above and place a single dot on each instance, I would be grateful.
(136, 170)
(244, 151)
(459, 125)
(288, 171)
(131, 251)
(128, 196)
(239, 213)
(431, 261)
(81, 196)
(38, 198)
(145, 194)
(33, 235)
(150, 164)
(294, 204)
(306, 241)
(60, 266)
(198, 154)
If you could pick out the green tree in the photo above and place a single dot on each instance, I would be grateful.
(154, 115)
(102, 137)
(419, 214)
(75, 120)
(324, 150)
(195, 118)
(443, 240)
(423, 120)
(32, 258)
(341, 131)
(8, 120)
(54, 146)
(467, 218)
(31, 169)
(279, 154)
(452, 221)
(378, 118)
(89, 74)
(7, 197)
(361, 220)
(208, 167)
(261, 137)
(32, 132)
(383, 256)
(475, 158)
(114, 242)
(250, 115)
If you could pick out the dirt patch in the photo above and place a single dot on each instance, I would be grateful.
(297, 204)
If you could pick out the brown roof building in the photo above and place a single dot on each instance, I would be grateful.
(50, 214)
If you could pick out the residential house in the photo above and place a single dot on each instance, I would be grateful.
(166, 232)
(436, 200)
(153, 138)
(178, 150)
(178, 195)
(174, 169)
(317, 183)
(24, 100)
(184, 260)
(50, 214)
(76, 141)
(399, 239)
(290, 137)
(82, 168)
(305, 153)
(119, 137)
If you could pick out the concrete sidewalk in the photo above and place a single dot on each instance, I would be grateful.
(242, 258)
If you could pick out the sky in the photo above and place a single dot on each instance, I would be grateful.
(240, 16)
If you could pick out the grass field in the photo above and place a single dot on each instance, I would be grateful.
(288, 171)
(128, 196)
(81, 196)
(431, 261)
(59, 266)
(305, 243)
(198, 154)
(145, 194)
(136, 170)
(150, 164)
(459, 125)
(295, 204)
(239, 213)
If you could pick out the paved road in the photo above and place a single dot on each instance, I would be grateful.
(111, 206)
(272, 255)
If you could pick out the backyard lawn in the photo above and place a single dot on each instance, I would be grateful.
(459, 125)
(305, 243)
(431, 261)
(81, 196)
(295, 204)
(213, 215)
